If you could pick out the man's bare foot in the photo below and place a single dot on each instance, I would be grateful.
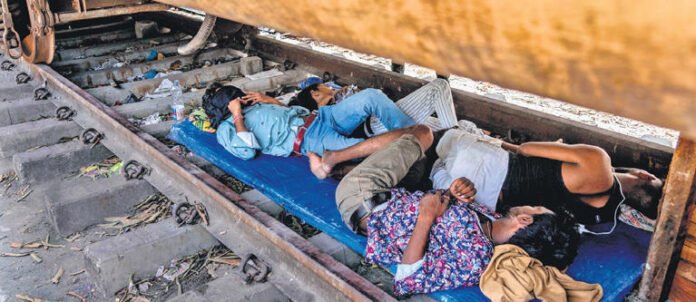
(316, 165)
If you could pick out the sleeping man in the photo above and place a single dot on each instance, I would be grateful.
(260, 123)
(436, 242)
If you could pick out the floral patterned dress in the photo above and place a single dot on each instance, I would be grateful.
(457, 254)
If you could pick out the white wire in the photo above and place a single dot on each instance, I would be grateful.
(581, 227)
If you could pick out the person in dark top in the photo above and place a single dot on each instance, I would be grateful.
(552, 174)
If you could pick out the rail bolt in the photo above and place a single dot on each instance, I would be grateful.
(7, 65)
(135, 170)
(41, 93)
(91, 137)
(22, 78)
(64, 113)
(187, 213)
(254, 269)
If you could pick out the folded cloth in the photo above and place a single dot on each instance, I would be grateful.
(200, 119)
(513, 275)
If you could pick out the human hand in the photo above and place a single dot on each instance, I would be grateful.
(463, 190)
(235, 107)
(432, 205)
(258, 97)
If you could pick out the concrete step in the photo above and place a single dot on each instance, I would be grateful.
(147, 107)
(79, 65)
(104, 49)
(201, 76)
(231, 288)
(75, 204)
(262, 202)
(95, 78)
(24, 110)
(8, 81)
(141, 252)
(339, 251)
(14, 92)
(92, 39)
(57, 160)
(22, 137)
(159, 130)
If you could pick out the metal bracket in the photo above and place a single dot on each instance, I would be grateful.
(91, 137)
(10, 37)
(187, 213)
(254, 269)
(135, 170)
(7, 65)
(41, 93)
(65, 113)
(22, 78)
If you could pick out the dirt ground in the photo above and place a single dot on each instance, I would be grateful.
(584, 115)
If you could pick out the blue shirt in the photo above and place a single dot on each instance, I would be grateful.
(272, 130)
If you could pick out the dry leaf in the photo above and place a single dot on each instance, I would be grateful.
(78, 272)
(14, 254)
(76, 295)
(232, 262)
(57, 276)
(73, 237)
(27, 298)
(36, 258)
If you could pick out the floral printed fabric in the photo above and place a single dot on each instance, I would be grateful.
(457, 254)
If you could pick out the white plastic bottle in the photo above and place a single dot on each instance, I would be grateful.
(177, 102)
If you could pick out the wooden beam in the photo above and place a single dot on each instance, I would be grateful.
(631, 58)
(678, 196)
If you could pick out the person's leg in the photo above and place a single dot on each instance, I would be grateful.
(378, 173)
(434, 97)
(353, 111)
(322, 166)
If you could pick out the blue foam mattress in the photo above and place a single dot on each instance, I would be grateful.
(614, 261)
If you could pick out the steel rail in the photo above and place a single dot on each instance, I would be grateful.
(62, 18)
(234, 221)
(494, 115)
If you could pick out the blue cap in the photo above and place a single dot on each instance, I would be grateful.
(309, 81)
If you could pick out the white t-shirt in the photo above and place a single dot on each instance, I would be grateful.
(476, 157)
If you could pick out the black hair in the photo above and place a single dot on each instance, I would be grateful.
(304, 98)
(215, 100)
(646, 197)
(553, 239)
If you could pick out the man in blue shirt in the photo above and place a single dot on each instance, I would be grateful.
(262, 123)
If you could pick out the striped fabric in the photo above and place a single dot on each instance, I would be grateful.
(434, 97)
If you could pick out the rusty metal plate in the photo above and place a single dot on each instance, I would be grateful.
(625, 57)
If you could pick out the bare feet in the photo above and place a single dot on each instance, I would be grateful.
(317, 166)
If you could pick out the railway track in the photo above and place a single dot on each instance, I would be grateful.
(91, 179)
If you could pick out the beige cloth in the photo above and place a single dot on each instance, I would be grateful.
(514, 276)
(379, 173)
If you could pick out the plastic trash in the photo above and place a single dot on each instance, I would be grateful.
(131, 98)
(178, 102)
(163, 90)
(152, 55)
(151, 119)
(150, 74)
